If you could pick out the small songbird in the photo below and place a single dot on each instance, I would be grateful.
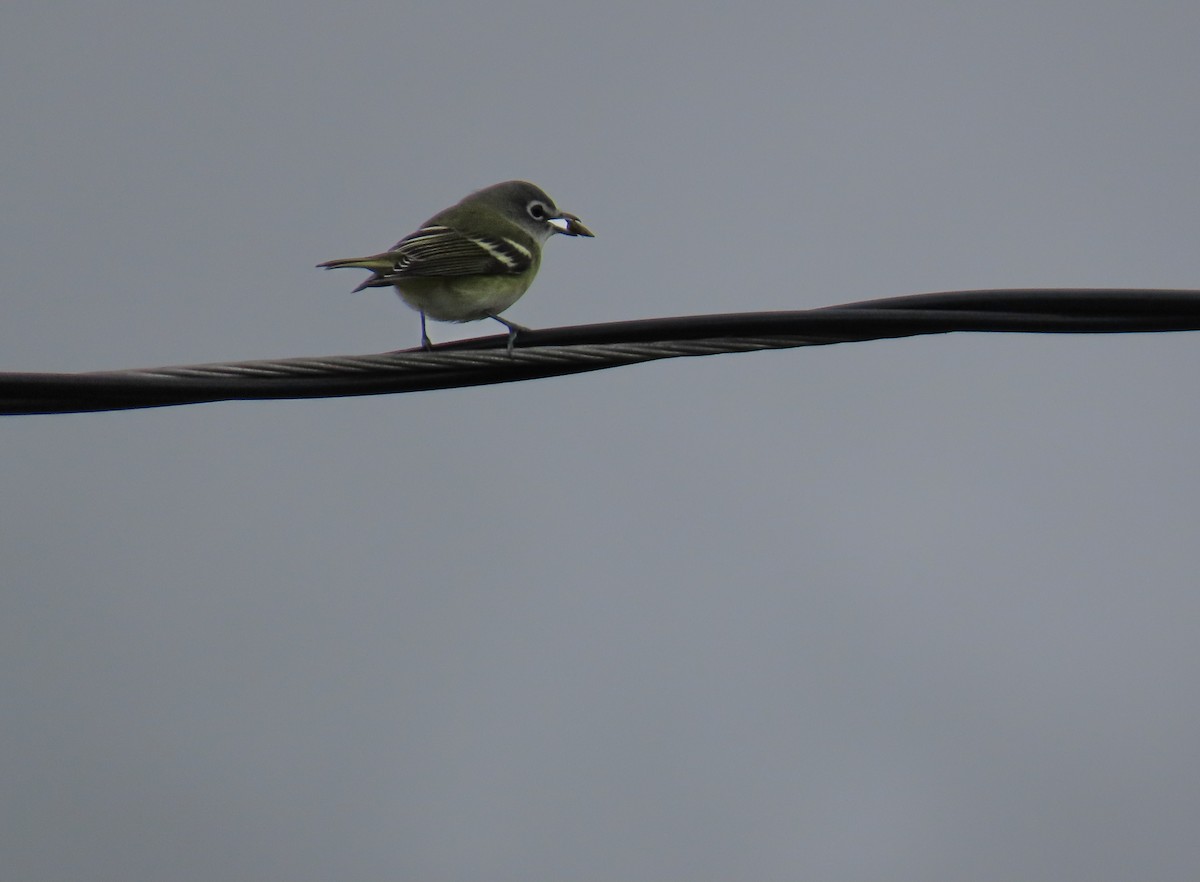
(474, 259)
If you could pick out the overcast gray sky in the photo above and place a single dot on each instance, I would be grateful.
(910, 610)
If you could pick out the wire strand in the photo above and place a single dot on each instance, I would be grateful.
(577, 349)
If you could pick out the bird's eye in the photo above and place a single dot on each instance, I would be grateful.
(537, 210)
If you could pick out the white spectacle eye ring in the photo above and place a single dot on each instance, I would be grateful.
(538, 210)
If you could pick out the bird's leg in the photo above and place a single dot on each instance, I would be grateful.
(513, 327)
(425, 343)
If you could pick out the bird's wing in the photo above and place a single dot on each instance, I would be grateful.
(437, 250)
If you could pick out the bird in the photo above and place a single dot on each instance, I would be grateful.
(472, 260)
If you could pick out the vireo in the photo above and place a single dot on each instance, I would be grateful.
(475, 259)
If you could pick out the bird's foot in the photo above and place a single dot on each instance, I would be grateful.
(513, 328)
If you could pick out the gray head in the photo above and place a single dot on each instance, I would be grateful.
(529, 206)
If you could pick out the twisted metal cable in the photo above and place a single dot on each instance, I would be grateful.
(561, 351)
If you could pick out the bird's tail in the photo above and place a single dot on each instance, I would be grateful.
(379, 264)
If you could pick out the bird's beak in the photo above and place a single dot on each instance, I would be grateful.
(573, 227)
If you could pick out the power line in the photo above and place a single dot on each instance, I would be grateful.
(560, 351)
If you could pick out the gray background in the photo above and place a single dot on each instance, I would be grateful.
(906, 610)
